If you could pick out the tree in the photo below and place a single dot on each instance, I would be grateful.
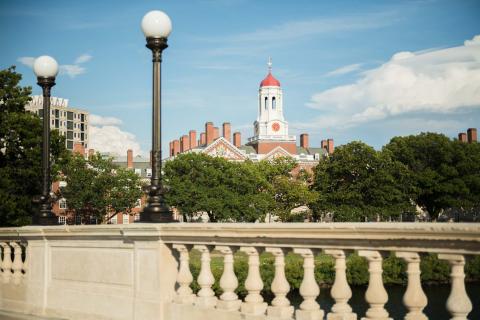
(20, 151)
(97, 188)
(357, 183)
(446, 173)
(226, 191)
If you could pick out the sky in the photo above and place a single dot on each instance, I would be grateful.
(349, 70)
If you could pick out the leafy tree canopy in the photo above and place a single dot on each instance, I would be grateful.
(357, 183)
(20, 151)
(97, 188)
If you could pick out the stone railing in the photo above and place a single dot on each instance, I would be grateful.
(142, 271)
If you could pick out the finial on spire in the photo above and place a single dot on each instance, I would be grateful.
(269, 64)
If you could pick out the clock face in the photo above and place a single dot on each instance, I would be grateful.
(275, 126)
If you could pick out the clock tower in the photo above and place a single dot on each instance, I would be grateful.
(271, 128)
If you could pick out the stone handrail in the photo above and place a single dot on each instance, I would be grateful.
(77, 271)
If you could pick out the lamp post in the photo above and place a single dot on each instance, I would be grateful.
(156, 26)
(46, 69)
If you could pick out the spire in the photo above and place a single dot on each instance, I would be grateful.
(269, 63)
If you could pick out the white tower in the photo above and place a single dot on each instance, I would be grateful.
(270, 123)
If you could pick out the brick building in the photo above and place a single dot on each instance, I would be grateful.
(270, 138)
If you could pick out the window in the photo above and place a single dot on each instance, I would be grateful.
(53, 122)
(57, 123)
(40, 113)
(78, 219)
(138, 172)
(62, 184)
(274, 103)
(137, 217)
(149, 172)
(57, 113)
(266, 100)
(53, 112)
(114, 220)
(126, 219)
(62, 220)
(62, 203)
(70, 144)
(82, 117)
(138, 204)
(69, 115)
(69, 125)
(69, 134)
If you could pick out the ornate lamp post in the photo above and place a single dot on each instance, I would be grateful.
(156, 26)
(46, 69)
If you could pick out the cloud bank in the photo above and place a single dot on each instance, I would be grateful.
(106, 136)
(435, 81)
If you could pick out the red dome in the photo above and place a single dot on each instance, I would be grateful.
(270, 81)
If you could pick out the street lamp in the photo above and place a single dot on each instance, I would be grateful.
(156, 26)
(45, 68)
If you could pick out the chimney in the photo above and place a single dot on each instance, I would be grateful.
(462, 137)
(324, 144)
(304, 140)
(91, 153)
(209, 133)
(203, 138)
(130, 158)
(78, 148)
(330, 146)
(216, 133)
(176, 147)
(170, 148)
(185, 143)
(227, 131)
(181, 144)
(237, 139)
(472, 135)
(192, 137)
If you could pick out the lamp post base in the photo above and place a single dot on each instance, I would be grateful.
(157, 214)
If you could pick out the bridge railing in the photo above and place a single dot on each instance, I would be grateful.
(143, 270)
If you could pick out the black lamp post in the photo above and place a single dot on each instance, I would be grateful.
(45, 68)
(156, 26)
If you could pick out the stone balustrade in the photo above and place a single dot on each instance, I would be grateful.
(142, 271)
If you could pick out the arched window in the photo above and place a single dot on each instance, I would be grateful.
(266, 100)
(274, 103)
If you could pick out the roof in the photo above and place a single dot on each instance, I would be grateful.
(270, 81)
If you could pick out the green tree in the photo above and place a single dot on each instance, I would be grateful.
(97, 188)
(20, 151)
(357, 182)
(226, 191)
(446, 173)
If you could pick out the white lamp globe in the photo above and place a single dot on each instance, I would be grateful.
(156, 24)
(45, 66)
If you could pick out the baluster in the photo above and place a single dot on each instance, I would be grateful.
(26, 262)
(7, 262)
(253, 301)
(309, 289)
(205, 297)
(376, 295)
(17, 262)
(228, 282)
(184, 276)
(280, 307)
(458, 303)
(414, 299)
(340, 291)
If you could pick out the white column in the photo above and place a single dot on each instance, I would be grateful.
(205, 297)
(17, 262)
(228, 282)
(458, 303)
(280, 307)
(309, 289)
(340, 291)
(6, 262)
(376, 295)
(253, 303)
(414, 299)
(184, 276)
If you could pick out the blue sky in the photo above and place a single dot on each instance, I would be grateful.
(350, 70)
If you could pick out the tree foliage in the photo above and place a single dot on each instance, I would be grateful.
(232, 191)
(358, 183)
(97, 188)
(445, 172)
(20, 151)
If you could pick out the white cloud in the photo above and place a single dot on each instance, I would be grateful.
(28, 61)
(439, 81)
(83, 58)
(72, 70)
(106, 136)
(345, 69)
(95, 120)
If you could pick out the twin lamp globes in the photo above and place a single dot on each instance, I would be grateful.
(155, 24)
